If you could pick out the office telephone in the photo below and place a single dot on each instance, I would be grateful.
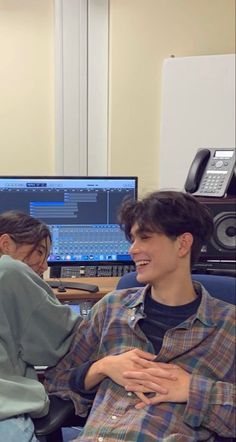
(211, 172)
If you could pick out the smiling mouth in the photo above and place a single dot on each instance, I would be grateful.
(141, 263)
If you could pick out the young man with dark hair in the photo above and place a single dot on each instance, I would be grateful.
(155, 363)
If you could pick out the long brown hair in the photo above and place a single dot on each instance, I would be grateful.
(23, 228)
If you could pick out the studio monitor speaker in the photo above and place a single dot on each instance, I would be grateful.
(222, 245)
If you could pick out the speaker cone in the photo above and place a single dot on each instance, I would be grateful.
(224, 236)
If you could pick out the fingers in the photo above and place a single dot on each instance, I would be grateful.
(150, 374)
(152, 401)
(142, 359)
(144, 354)
(164, 370)
(135, 388)
(165, 365)
(147, 360)
(145, 400)
(142, 363)
(140, 405)
(158, 398)
(149, 387)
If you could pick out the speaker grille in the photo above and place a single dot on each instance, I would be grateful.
(224, 236)
(222, 245)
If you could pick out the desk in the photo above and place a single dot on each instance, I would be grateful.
(105, 284)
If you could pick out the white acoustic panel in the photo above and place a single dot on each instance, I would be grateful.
(198, 111)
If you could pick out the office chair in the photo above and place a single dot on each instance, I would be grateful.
(61, 414)
(221, 287)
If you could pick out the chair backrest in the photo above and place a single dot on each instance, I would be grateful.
(221, 287)
(61, 414)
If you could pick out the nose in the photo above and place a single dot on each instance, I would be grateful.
(133, 248)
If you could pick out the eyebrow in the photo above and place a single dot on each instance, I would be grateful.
(139, 231)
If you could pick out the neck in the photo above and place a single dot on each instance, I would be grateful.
(174, 292)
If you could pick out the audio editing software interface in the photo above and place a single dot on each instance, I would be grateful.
(98, 242)
(81, 214)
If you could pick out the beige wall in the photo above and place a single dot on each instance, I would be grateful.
(142, 34)
(26, 87)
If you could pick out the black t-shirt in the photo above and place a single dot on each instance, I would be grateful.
(160, 318)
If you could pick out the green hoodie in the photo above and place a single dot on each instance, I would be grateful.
(35, 329)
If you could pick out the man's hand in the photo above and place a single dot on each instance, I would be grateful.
(175, 389)
(134, 360)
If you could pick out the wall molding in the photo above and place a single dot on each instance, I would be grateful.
(81, 86)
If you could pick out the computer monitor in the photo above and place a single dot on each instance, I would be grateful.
(81, 213)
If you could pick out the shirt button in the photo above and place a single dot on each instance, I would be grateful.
(114, 417)
(132, 318)
(130, 393)
(100, 439)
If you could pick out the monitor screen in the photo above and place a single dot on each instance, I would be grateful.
(81, 213)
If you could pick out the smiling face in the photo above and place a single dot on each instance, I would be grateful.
(35, 256)
(156, 256)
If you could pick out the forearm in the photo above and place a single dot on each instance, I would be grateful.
(77, 378)
(211, 405)
(114, 366)
(96, 373)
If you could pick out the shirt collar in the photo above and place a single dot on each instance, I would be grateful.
(205, 312)
(137, 296)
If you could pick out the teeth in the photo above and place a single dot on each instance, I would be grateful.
(142, 263)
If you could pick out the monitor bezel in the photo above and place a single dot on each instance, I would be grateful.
(81, 177)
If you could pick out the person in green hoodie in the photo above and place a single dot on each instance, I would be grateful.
(35, 328)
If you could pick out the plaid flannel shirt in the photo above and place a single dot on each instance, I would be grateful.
(204, 345)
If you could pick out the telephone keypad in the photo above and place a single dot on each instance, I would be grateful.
(211, 183)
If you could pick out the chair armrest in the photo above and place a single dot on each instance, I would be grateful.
(60, 411)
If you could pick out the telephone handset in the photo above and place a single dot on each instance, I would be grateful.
(211, 172)
(196, 170)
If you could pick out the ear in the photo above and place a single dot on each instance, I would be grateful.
(7, 245)
(185, 244)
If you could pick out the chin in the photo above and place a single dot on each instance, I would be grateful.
(142, 278)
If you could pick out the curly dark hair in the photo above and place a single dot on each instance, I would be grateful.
(172, 213)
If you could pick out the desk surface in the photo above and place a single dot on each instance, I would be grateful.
(105, 285)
